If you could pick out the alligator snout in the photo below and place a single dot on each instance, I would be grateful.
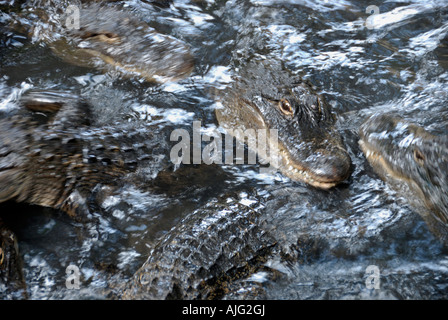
(331, 168)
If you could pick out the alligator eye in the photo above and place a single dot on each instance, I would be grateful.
(107, 37)
(419, 157)
(110, 35)
(285, 107)
(2, 256)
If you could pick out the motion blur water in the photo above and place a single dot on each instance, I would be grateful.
(399, 63)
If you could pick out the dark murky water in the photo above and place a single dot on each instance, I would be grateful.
(400, 64)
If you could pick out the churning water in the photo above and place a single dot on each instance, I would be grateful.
(394, 57)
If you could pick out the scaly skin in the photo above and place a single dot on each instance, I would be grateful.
(267, 96)
(58, 163)
(58, 159)
(414, 162)
(108, 37)
(201, 256)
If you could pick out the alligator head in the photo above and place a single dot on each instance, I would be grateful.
(412, 160)
(107, 36)
(267, 96)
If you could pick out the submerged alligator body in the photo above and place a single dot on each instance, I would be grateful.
(413, 161)
(200, 257)
(52, 156)
(307, 147)
(58, 163)
(109, 37)
(57, 160)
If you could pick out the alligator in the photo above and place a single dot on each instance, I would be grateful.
(108, 36)
(229, 239)
(207, 251)
(56, 160)
(414, 162)
(53, 155)
(223, 249)
(307, 147)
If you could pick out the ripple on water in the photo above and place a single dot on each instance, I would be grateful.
(399, 65)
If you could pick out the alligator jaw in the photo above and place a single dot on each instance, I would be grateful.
(375, 159)
(295, 171)
(324, 171)
(379, 163)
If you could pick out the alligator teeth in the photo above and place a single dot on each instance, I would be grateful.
(305, 176)
(372, 155)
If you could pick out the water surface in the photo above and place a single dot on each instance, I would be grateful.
(398, 63)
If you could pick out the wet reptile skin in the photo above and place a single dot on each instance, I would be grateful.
(58, 163)
(266, 95)
(52, 156)
(208, 250)
(108, 37)
(413, 161)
